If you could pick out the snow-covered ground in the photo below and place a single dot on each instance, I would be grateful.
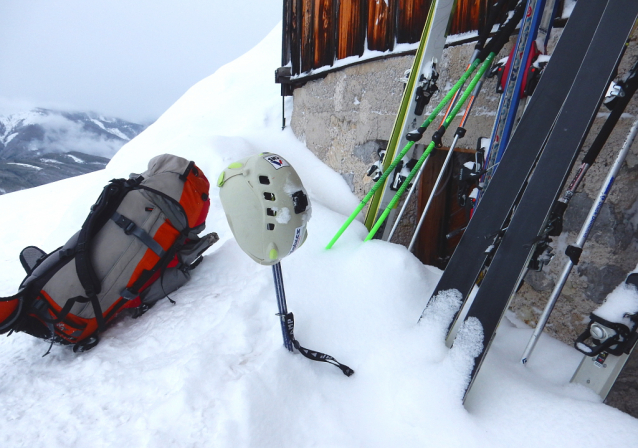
(210, 371)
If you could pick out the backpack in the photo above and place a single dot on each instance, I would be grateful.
(138, 244)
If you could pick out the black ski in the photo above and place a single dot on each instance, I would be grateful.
(525, 145)
(570, 130)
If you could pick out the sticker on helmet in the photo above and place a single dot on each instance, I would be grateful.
(276, 161)
(297, 240)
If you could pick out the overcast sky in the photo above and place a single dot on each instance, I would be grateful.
(126, 58)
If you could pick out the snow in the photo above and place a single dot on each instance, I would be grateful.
(75, 159)
(26, 165)
(9, 138)
(113, 131)
(118, 133)
(211, 370)
(621, 301)
(283, 215)
(98, 123)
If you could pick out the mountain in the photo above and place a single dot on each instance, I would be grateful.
(43, 145)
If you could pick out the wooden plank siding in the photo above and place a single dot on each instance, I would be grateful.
(307, 11)
(351, 18)
(411, 20)
(381, 24)
(468, 14)
(316, 33)
(324, 32)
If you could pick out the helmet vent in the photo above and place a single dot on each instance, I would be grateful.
(269, 196)
(300, 201)
(270, 226)
(264, 180)
(271, 212)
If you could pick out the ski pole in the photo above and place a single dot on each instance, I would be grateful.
(288, 324)
(458, 135)
(416, 135)
(629, 85)
(460, 132)
(403, 152)
(418, 176)
(574, 251)
(492, 47)
(496, 10)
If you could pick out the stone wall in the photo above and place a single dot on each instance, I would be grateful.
(347, 116)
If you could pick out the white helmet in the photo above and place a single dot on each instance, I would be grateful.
(266, 206)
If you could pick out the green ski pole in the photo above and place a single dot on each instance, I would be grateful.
(404, 151)
(435, 139)
(492, 48)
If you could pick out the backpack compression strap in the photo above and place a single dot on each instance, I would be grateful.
(130, 228)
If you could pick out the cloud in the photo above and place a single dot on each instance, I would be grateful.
(127, 59)
(63, 135)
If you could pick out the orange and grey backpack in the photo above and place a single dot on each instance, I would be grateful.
(138, 244)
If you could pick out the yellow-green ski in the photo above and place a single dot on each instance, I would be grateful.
(429, 51)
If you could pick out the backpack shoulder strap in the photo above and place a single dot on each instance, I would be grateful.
(101, 211)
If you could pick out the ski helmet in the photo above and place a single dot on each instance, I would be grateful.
(266, 206)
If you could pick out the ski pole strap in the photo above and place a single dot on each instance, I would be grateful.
(312, 354)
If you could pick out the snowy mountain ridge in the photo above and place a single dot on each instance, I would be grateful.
(39, 146)
(37, 131)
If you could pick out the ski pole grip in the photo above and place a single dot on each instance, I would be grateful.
(497, 43)
(491, 20)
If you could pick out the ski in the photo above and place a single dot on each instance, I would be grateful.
(554, 227)
(508, 105)
(563, 144)
(488, 218)
(612, 333)
(420, 86)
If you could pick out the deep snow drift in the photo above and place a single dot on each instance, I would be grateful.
(211, 370)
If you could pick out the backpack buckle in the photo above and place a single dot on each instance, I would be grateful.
(129, 228)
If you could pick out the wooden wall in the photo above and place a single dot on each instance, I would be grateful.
(316, 33)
